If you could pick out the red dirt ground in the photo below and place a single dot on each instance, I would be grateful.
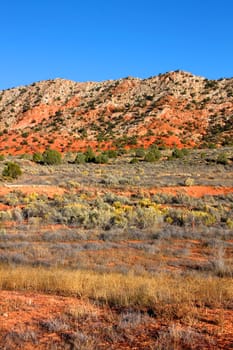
(51, 191)
(194, 191)
(22, 312)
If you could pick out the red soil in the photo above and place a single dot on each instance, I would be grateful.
(36, 115)
(24, 312)
(194, 191)
(4, 206)
(50, 191)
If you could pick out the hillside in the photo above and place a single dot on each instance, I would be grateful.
(117, 250)
(176, 108)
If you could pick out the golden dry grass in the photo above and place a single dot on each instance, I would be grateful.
(122, 290)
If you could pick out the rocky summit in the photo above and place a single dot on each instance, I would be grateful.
(171, 109)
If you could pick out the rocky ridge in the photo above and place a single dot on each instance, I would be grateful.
(173, 109)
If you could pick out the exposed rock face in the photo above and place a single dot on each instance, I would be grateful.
(173, 108)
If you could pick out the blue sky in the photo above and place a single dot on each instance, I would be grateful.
(98, 40)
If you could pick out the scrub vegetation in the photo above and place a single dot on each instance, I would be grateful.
(101, 252)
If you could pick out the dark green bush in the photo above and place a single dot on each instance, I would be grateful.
(80, 158)
(37, 157)
(121, 151)
(89, 155)
(52, 157)
(153, 155)
(132, 140)
(12, 170)
(101, 158)
(134, 160)
(111, 153)
(222, 159)
(179, 153)
(25, 134)
(139, 152)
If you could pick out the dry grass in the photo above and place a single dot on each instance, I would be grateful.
(148, 270)
(176, 292)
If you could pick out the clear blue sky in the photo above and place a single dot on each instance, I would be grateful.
(97, 40)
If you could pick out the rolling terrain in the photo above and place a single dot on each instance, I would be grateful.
(176, 108)
(127, 244)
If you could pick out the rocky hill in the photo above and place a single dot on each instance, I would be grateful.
(175, 108)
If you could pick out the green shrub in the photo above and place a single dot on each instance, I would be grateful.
(211, 145)
(132, 140)
(222, 159)
(139, 152)
(111, 153)
(52, 157)
(89, 155)
(1, 157)
(134, 160)
(25, 134)
(25, 156)
(121, 150)
(185, 151)
(37, 157)
(229, 223)
(12, 170)
(101, 158)
(177, 153)
(152, 155)
(80, 158)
